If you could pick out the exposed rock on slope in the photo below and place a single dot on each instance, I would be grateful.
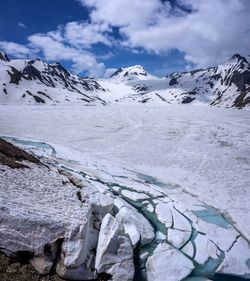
(11, 155)
(4, 57)
(226, 85)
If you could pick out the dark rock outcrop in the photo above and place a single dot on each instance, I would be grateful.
(187, 100)
(3, 56)
(173, 82)
(15, 76)
(19, 269)
(119, 70)
(11, 155)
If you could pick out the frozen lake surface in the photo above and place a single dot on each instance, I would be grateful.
(187, 168)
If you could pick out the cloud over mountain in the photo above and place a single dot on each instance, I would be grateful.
(205, 32)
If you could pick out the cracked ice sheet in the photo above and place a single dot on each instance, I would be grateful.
(222, 237)
(203, 150)
(138, 186)
(237, 259)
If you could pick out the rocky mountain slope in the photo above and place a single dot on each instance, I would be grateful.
(226, 85)
(36, 82)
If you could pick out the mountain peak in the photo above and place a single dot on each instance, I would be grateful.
(238, 57)
(130, 73)
(3, 56)
(136, 67)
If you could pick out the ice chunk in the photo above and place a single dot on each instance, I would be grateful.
(178, 238)
(204, 249)
(136, 226)
(114, 254)
(164, 214)
(167, 263)
(133, 195)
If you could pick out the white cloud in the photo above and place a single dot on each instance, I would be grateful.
(14, 49)
(71, 42)
(82, 34)
(209, 34)
(109, 72)
(122, 12)
(20, 24)
(105, 56)
(54, 48)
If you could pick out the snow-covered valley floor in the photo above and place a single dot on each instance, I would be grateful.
(184, 168)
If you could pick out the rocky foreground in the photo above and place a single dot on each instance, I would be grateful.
(59, 225)
(70, 224)
(20, 270)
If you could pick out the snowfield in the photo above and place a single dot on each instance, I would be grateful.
(185, 168)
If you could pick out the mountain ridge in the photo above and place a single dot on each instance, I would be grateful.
(35, 81)
(38, 82)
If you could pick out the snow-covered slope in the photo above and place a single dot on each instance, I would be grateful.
(136, 72)
(36, 82)
(226, 85)
(122, 85)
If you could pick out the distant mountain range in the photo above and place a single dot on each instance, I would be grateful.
(37, 82)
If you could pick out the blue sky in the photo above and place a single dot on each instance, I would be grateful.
(96, 36)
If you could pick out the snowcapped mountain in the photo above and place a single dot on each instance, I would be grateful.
(120, 86)
(226, 85)
(136, 72)
(36, 82)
